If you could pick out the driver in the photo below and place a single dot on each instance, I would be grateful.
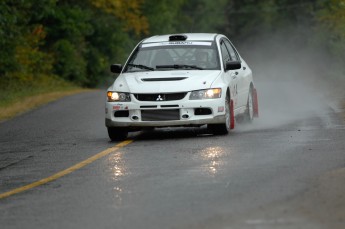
(201, 58)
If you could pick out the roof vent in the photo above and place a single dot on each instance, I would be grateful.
(177, 38)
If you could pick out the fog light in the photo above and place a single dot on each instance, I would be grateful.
(135, 118)
(185, 116)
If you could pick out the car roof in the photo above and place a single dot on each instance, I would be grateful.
(190, 37)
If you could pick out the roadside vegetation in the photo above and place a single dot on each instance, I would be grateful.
(61, 45)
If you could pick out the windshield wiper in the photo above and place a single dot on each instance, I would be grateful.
(141, 66)
(179, 66)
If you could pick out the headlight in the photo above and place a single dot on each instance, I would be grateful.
(118, 96)
(213, 93)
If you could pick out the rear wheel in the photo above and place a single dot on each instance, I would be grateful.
(224, 128)
(249, 115)
(117, 133)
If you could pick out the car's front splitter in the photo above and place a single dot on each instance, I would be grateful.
(198, 122)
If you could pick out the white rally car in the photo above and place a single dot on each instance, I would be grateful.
(188, 79)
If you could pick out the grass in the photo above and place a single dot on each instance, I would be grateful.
(18, 99)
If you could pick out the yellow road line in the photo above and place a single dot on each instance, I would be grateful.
(66, 171)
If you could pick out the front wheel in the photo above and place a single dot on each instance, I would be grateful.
(117, 133)
(224, 128)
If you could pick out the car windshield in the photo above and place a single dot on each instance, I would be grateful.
(165, 56)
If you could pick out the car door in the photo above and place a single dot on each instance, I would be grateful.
(242, 88)
(230, 75)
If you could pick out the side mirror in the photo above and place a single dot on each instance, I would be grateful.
(116, 68)
(233, 65)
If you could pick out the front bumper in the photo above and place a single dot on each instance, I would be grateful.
(188, 113)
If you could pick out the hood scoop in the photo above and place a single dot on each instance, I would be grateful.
(163, 79)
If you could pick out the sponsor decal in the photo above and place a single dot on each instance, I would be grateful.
(181, 43)
(117, 107)
(201, 43)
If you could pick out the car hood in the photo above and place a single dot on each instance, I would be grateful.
(165, 81)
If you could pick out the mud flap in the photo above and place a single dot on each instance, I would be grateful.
(255, 103)
(232, 115)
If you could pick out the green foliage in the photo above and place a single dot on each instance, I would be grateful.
(9, 32)
(252, 18)
(331, 21)
(67, 28)
(69, 22)
(330, 33)
(203, 16)
(69, 64)
(128, 12)
(163, 16)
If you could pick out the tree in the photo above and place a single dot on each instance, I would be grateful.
(22, 60)
(129, 12)
(330, 33)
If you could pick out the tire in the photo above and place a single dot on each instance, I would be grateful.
(117, 134)
(224, 128)
(249, 115)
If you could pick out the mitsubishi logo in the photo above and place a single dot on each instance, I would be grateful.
(159, 98)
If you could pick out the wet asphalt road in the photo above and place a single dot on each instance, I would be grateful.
(167, 178)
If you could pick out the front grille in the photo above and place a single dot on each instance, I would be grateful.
(160, 97)
(160, 115)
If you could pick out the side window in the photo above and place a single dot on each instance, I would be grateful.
(225, 54)
(232, 51)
